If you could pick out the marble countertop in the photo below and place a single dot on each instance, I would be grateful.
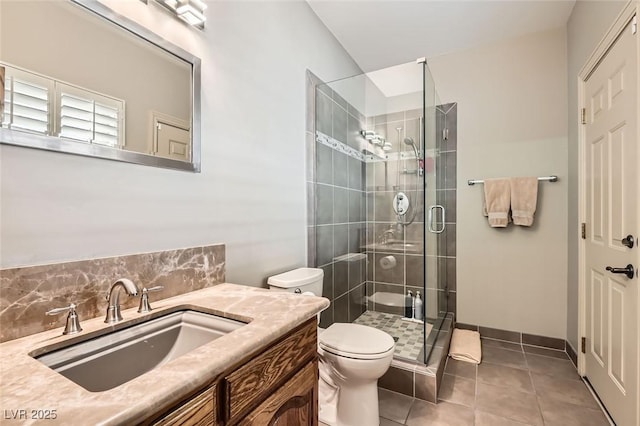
(26, 384)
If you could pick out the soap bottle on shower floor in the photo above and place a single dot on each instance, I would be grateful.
(408, 305)
(417, 312)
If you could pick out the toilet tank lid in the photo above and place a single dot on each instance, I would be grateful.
(296, 278)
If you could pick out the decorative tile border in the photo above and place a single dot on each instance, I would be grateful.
(339, 146)
(29, 292)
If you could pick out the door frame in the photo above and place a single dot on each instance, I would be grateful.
(155, 118)
(619, 25)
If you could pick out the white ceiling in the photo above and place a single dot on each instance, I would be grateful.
(382, 33)
(398, 80)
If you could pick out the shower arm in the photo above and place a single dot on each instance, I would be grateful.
(418, 170)
(398, 130)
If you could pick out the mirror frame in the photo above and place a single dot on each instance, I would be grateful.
(54, 143)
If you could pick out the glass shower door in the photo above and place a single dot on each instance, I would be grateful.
(435, 215)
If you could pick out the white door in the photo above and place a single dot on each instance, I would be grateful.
(611, 212)
(172, 141)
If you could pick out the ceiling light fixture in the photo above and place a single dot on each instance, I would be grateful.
(190, 11)
(368, 134)
(378, 140)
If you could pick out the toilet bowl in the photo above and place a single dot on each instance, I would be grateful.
(352, 358)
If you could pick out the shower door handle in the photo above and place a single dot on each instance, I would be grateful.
(431, 218)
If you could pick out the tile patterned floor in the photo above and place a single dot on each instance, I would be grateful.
(513, 386)
(408, 335)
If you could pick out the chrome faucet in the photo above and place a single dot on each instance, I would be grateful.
(73, 322)
(395, 233)
(113, 310)
(384, 237)
(144, 299)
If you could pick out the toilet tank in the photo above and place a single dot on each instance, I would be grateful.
(298, 281)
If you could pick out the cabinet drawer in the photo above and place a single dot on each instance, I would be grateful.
(253, 382)
(198, 411)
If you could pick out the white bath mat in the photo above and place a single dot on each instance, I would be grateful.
(465, 346)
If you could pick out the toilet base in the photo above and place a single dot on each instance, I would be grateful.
(327, 401)
(357, 405)
(328, 417)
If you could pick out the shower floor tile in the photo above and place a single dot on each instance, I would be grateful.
(408, 335)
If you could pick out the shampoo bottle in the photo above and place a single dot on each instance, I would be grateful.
(408, 305)
(418, 309)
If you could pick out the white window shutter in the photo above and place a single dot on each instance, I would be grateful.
(26, 102)
(32, 101)
(106, 125)
(90, 117)
(76, 118)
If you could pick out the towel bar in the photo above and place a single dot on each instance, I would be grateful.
(541, 178)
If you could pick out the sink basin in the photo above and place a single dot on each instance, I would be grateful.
(110, 360)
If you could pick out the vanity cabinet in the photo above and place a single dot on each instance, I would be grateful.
(276, 386)
(295, 403)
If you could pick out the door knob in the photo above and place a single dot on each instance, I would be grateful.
(628, 241)
(628, 271)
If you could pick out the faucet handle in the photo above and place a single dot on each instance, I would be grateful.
(73, 322)
(57, 311)
(144, 299)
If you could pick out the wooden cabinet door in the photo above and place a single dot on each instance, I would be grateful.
(293, 404)
(252, 383)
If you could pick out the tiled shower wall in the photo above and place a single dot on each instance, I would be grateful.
(337, 203)
(383, 181)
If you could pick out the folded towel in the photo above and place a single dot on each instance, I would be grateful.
(497, 198)
(465, 346)
(524, 197)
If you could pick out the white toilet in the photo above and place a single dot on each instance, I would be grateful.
(352, 359)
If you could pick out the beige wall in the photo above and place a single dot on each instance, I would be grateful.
(512, 121)
(251, 192)
(587, 25)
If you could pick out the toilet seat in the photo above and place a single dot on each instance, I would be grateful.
(356, 341)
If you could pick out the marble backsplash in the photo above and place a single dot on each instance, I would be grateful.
(26, 293)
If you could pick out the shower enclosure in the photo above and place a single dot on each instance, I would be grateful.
(376, 222)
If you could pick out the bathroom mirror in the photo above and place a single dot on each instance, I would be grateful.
(78, 78)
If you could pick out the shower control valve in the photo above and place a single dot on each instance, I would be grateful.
(401, 203)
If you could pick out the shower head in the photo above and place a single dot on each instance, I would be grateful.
(409, 141)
